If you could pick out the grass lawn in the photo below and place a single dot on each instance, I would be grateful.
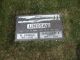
(67, 49)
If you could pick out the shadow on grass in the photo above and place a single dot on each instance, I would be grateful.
(78, 51)
(11, 32)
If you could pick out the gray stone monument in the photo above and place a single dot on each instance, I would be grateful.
(37, 27)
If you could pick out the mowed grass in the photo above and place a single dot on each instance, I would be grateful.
(67, 49)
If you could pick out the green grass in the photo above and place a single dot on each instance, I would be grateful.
(67, 49)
